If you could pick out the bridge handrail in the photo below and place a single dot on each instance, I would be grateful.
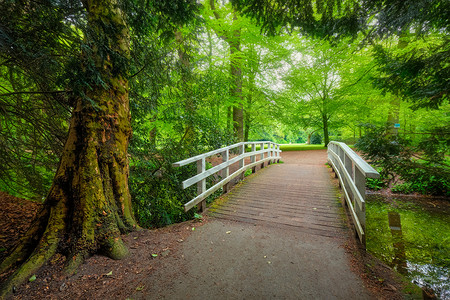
(352, 172)
(273, 153)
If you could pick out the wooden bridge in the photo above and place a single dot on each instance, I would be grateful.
(298, 193)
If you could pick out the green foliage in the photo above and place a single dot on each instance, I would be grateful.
(155, 186)
(426, 174)
(311, 17)
(316, 138)
(375, 183)
(36, 44)
(422, 182)
(419, 73)
(45, 66)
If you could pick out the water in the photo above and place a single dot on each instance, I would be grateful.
(412, 236)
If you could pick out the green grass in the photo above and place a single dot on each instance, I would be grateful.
(293, 147)
(301, 147)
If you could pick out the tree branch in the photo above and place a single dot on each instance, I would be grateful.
(32, 93)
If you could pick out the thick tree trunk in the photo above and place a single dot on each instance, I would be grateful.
(89, 203)
(326, 138)
(233, 38)
(236, 85)
(229, 120)
(189, 104)
(247, 127)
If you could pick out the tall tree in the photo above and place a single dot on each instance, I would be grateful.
(88, 205)
(317, 81)
(232, 36)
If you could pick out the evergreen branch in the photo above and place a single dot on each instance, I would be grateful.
(33, 93)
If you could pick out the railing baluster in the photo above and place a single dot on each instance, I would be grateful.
(226, 170)
(242, 161)
(278, 153)
(360, 207)
(201, 185)
(253, 157)
(269, 152)
(262, 154)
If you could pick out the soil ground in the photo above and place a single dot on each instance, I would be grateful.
(210, 259)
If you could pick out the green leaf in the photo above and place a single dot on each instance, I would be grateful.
(32, 278)
(109, 274)
(154, 255)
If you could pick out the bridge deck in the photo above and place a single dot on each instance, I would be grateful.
(298, 194)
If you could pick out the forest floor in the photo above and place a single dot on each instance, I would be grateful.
(159, 258)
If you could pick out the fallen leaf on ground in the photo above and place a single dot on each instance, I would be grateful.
(140, 288)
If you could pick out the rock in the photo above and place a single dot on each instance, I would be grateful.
(63, 287)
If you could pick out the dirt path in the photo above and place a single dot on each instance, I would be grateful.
(254, 259)
(231, 260)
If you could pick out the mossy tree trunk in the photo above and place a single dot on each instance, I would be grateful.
(89, 204)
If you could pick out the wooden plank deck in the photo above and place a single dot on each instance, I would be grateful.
(298, 194)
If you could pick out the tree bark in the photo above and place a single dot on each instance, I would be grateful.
(234, 41)
(326, 137)
(236, 85)
(189, 104)
(236, 90)
(89, 204)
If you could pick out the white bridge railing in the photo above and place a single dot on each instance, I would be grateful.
(352, 171)
(268, 151)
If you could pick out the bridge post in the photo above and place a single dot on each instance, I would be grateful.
(226, 171)
(241, 161)
(269, 153)
(360, 208)
(278, 153)
(253, 157)
(201, 185)
(348, 165)
(262, 154)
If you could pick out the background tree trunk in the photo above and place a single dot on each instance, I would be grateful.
(89, 203)
(236, 85)
(233, 38)
(326, 138)
(189, 104)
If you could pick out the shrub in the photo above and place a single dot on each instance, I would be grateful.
(420, 169)
(316, 139)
